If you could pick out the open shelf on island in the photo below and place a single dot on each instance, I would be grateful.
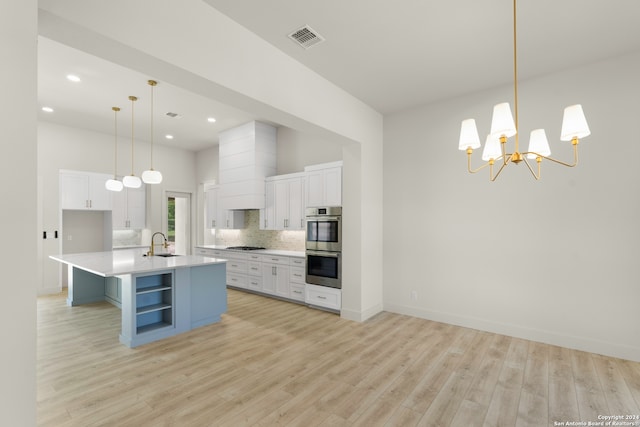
(154, 302)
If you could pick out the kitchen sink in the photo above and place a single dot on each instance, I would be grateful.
(165, 255)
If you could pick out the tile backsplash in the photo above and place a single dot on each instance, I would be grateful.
(251, 235)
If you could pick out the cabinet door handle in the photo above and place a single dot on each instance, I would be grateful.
(273, 271)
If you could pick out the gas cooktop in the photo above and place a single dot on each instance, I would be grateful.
(245, 248)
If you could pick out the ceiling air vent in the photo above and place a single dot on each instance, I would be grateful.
(306, 37)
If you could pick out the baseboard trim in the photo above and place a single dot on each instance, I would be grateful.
(360, 316)
(516, 331)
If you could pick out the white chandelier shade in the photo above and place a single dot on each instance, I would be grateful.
(574, 124)
(492, 148)
(469, 135)
(502, 123)
(538, 144)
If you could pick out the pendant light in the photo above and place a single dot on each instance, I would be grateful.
(152, 176)
(114, 184)
(132, 181)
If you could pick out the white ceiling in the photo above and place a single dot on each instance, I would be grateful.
(391, 55)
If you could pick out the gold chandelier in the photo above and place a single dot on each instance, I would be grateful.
(503, 126)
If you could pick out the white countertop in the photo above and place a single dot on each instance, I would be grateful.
(114, 263)
(295, 254)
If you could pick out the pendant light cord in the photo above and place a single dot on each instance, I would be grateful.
(115, 142)
(133, 100)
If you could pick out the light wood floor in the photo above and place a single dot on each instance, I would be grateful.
(274, 363)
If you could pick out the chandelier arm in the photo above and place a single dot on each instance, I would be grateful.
(560, 162)
(492, 177)
(536, 176)
(469, 163)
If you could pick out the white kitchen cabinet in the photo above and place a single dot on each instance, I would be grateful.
(268, 213)
(84, 191)
(297, 279)
(129, 209)
(218, 217)
(322, 296)
(275, 279)
(284, 203)
(323, 185)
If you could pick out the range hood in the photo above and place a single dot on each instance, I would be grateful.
(247, 156)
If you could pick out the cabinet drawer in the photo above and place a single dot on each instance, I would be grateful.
(296, 275)
(296, 262)
(254, 269)
(323, 297)
(274, 259)
(254, 257)
(296, 291)
(237, 266)
(236, 280)
(214, 253)
(254, 283)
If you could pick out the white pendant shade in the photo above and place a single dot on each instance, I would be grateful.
(492, 148)
(574, 124)
(538, 144)
(502, 121)
(131, 181)
(113, 185)
(469, 135)
(151, 177)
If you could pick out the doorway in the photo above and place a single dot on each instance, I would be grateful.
(178, 222)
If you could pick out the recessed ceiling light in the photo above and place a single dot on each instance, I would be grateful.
(73, 78)
(47, 109)
(169, 136)
(211, 120)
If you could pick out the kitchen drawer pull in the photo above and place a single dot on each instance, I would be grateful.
(321, 297)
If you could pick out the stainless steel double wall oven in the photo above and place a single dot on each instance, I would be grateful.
(324, 246)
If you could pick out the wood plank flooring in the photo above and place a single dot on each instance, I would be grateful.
(272, 363)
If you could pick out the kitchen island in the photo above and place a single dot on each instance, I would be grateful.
(158, 296)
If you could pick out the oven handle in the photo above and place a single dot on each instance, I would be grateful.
(325, 254)
(323, 218)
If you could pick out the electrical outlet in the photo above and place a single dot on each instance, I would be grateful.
(414, 295)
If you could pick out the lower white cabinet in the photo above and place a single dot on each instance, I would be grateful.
(275, 275)
(322, 296)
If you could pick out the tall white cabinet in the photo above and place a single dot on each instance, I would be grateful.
(129, 209)
(323, 185)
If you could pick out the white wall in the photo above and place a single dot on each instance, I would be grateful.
(552, 260)
(296, 149)
(63, 147)
(18, 108)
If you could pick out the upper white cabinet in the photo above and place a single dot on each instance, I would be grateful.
(218, 217)
(324, 184)
(284, 203)
(129, 209)
(84, 191)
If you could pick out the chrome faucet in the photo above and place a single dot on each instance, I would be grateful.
(165, 244)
